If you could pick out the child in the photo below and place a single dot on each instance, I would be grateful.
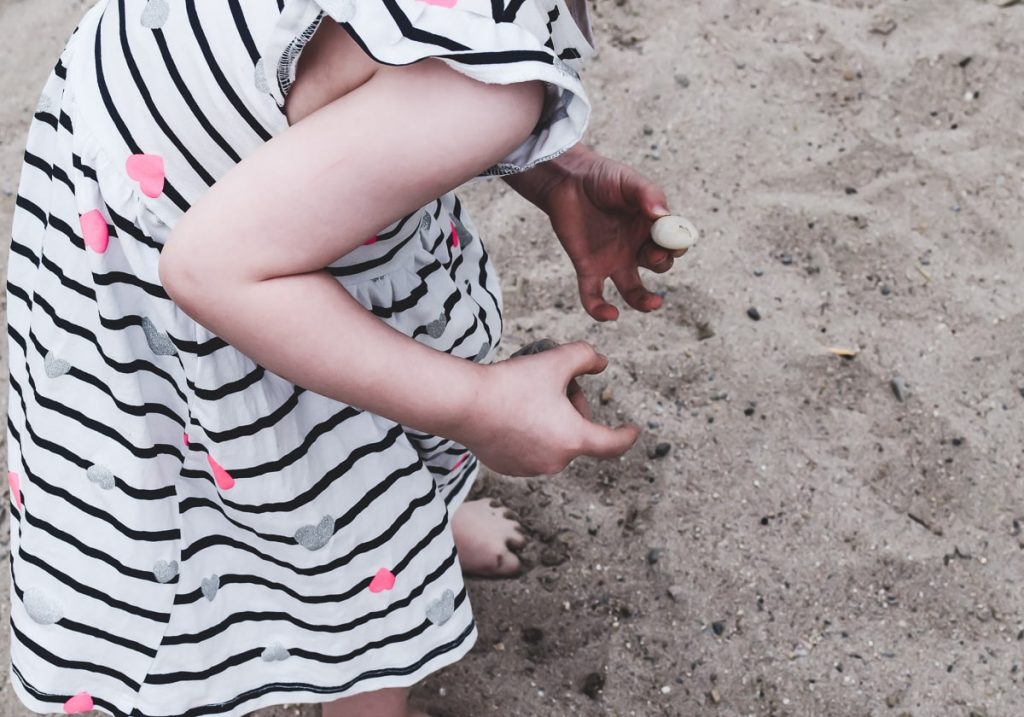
(243, 416)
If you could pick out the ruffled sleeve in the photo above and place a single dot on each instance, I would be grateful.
(493, 41)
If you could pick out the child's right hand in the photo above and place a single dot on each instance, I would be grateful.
(527, 425)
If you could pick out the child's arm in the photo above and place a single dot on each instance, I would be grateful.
(246, 262)
(602, 212)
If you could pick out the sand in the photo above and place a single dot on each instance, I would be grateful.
(810, 545)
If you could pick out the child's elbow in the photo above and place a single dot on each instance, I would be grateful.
(182, 277)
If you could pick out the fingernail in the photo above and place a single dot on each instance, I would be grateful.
(661, 210)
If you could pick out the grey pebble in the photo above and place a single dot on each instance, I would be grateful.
(885, 290)
(786, 259)
(683, 81)
(718, 628)
(661, 450)
(758, 272)
(676, 592)
(653, 555)
(899, 388)
(753, 313)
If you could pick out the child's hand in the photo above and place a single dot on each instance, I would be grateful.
(602, 212)
(528, 425)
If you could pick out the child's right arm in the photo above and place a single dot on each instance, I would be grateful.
(246, 262)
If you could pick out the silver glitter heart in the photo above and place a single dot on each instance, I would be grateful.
(101, 476)
(482, 353)
(465, 236)
(155, 14)
(46, 105)
(275, 653)
(425, 222)
(165, 571)
(441, 610)
(314, 537)
(436, 328)
(210, 586)
(159, 342)
(55, 366)
(41, 608)
(260, 77)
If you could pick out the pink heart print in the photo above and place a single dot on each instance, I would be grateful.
(455, 237)
(441, 3)
(371, 240)
(95, 231)
(220, 476)
(148, 171)
(82, 702)
(383, 580)
(14, 482)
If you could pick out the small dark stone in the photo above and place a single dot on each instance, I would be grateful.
(661, 450)
(851, 190)
(653, 555)
(532, 635)
(754, 314)
(966, 61)
(758, 272)
(786, 259)
(957, 442)
(885, 291)
(899, 388)
(593, 684)
(750, 409)
(554, 555)
(704, 332)
(718, 628)
(764, 520)
(648, 130)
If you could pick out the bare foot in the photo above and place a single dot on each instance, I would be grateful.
(484, 534)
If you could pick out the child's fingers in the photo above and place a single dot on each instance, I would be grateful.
(631, 287)
(655, 258)
(608, 443)
(579, 400)
(577, 359)
(592, 298)
(642, 193)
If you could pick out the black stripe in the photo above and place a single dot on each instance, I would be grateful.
(218, 75)
(512, 10)
(224, 390)
(243, 30)
(57, 661)
(46, 118)
(23, 203)
(126, 226)
(147, 98)
(389, 439)
(209, 541)
(269, 421)
(414, 33)
(361, 267)
(122, 277)
(189, 99)
(251, 616)
(85, 169)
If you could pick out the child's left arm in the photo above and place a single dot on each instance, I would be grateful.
(602, 212)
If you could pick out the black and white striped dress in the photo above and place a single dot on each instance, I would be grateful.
(191, 533)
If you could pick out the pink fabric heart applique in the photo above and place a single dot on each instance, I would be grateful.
(371, 240)
(220, 476)
(148, 171)
(455, 237)
(14, 482)
(95, 231)
(82, 702)
(184, 439)
(383, 580)
(441, 3)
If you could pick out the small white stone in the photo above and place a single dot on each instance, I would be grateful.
(674, 233)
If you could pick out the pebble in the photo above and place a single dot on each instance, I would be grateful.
(606, 396)
(749, 410)
(532, 635)
(661, 450)
(850, 190)
(899, 388)
(758, 272)
(653, 555)
(885, 290)
(786, 259)
(593, 684)
(704, 332)
(718, 628)
(682, 80)
(676, 592)
(648, 130)
(754, 314)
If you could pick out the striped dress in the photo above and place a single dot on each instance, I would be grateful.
(192, 534)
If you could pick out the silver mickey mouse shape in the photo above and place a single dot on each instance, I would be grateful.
(276, 652)
(101, 476)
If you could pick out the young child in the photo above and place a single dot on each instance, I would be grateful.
(251, 343)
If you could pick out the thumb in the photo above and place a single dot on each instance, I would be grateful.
(607, 443)
(578, 358)
(645, 195)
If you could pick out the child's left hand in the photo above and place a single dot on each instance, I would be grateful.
(602, 212)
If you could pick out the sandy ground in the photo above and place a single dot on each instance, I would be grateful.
(810, 545)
